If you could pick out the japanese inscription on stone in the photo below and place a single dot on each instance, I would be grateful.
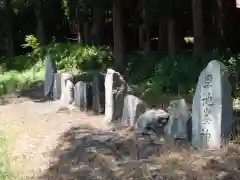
(206, 110)
(212, 107)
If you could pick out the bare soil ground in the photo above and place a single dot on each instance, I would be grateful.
(49, 142)
(34, 130)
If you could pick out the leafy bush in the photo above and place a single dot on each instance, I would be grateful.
(78, 57)
(31, 41)
(71, 57)
(29, 68)
(135, 64)
(84, 76)
(12, 80)
(24, 62)
(173, 75)
(150, 73)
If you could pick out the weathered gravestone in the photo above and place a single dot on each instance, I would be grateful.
(98, 94)
(179, 115)
(115, 91)
(133, 107)
(64, 78)
(50, 70)
(83, 95)
(212, 112)
(57, 88)
(68, 93)
(109, 95)
(67, 86)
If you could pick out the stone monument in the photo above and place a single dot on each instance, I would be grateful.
(179, 115)
(57, 87)
(212, 112)
(133, 107)
(50, 70)
(98, 91)
(83, 95)
(67, 89)
(115, 91)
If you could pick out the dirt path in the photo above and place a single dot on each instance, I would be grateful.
(48, 143)
(34, 129)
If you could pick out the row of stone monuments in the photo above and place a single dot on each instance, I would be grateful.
(208, 125)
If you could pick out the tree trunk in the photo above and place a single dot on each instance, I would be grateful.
(171, 37)
(40, 25)
(86, 33)
(141, 37)
(98, 19)
(79, 35)
(162, 34)
(85, 36)
(9, 33)
(118, 35)
(219, 27)
(144, 38)
(144, 33)
(147, 44)
(198, 27)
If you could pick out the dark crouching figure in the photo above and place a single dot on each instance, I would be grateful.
(152, 121)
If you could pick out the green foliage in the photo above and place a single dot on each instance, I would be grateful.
(27, 72)
(151, 74)
(75, 57)
(12, 80)
(65, 6)
(173, 75)
(29, 68)
(135, 64)
(84, 76)
(31, 41)
(24, 62)
(71, 57)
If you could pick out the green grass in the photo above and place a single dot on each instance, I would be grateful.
(5, 173)
(11, 80)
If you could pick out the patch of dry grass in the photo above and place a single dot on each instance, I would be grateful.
(123, 156)
(5, 173)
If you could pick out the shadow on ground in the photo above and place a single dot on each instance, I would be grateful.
(88, 154)
(35, 92)
(32, 91)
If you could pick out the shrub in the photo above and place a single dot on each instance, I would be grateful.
(150, 73)
(78, 57)
(172, 75)
(31, 41)
(29, 68)
(12, 80)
